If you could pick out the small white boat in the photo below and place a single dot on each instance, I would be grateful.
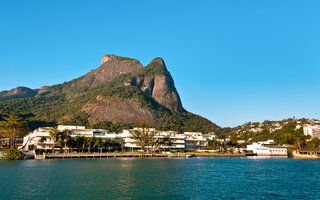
(189, 156)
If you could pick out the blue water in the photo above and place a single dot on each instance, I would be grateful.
(199, 178)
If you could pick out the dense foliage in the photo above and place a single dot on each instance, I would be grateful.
(14, 154)
(12, 127)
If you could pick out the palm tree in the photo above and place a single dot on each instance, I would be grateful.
(156, 143)
(63, 139)
(84, 143)
(107, 143)
(71, 143)
(54, 134)
(98, 142)
(90, 141)
(60, 140)
(66, 138)
(121, 143)
(79, 142)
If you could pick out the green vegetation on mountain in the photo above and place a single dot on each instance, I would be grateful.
(289, 132)
(119, 94)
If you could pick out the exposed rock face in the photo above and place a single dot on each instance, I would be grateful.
(19, 92)
(159, 84)
(165, 93)
(112, 66)
(43, 90)
(105, 58)
(154, 80)
(118, 110)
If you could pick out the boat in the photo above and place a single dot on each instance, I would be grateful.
(190, 156)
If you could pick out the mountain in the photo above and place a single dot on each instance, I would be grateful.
(19, 92)
(120, 91)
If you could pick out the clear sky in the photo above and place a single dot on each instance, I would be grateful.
(232, 61)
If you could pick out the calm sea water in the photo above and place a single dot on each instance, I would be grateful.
(196, 178)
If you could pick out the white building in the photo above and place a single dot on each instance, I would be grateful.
(267, 148)
(195, 141)
(312, 130)
(256, 130)
(40, 139)
(177, 141)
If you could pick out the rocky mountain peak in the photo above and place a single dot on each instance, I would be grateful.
(108, 57)
(158, 61)
(105, 58)
(112, 66)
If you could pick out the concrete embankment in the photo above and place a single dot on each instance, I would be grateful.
(221, 155)
(125, 155)
(95, 156)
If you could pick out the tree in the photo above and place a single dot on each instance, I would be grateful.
(64, 138)
(300, 138)
(166, 141)
(13, 127)
(79, 141)
(90, 141)
(14, 154)
(121, 143)
(84, 143)
(98, 143)
(42, 139)
(143, 137)
(107, 143)
(71, 143)
(314, 143)
(67, 140)
(54, 134)
(214, 144)
(156, 143)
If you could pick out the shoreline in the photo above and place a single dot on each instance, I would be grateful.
(137, 155)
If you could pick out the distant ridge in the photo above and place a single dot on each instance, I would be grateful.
(19, 92)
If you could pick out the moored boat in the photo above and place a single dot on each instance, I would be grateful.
(189, 156)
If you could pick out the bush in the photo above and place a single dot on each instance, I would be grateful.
(14, 154)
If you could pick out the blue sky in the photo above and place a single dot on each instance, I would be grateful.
(232, 61)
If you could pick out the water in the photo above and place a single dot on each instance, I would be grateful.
(198, 178)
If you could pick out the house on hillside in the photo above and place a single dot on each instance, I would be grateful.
(312, 130)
